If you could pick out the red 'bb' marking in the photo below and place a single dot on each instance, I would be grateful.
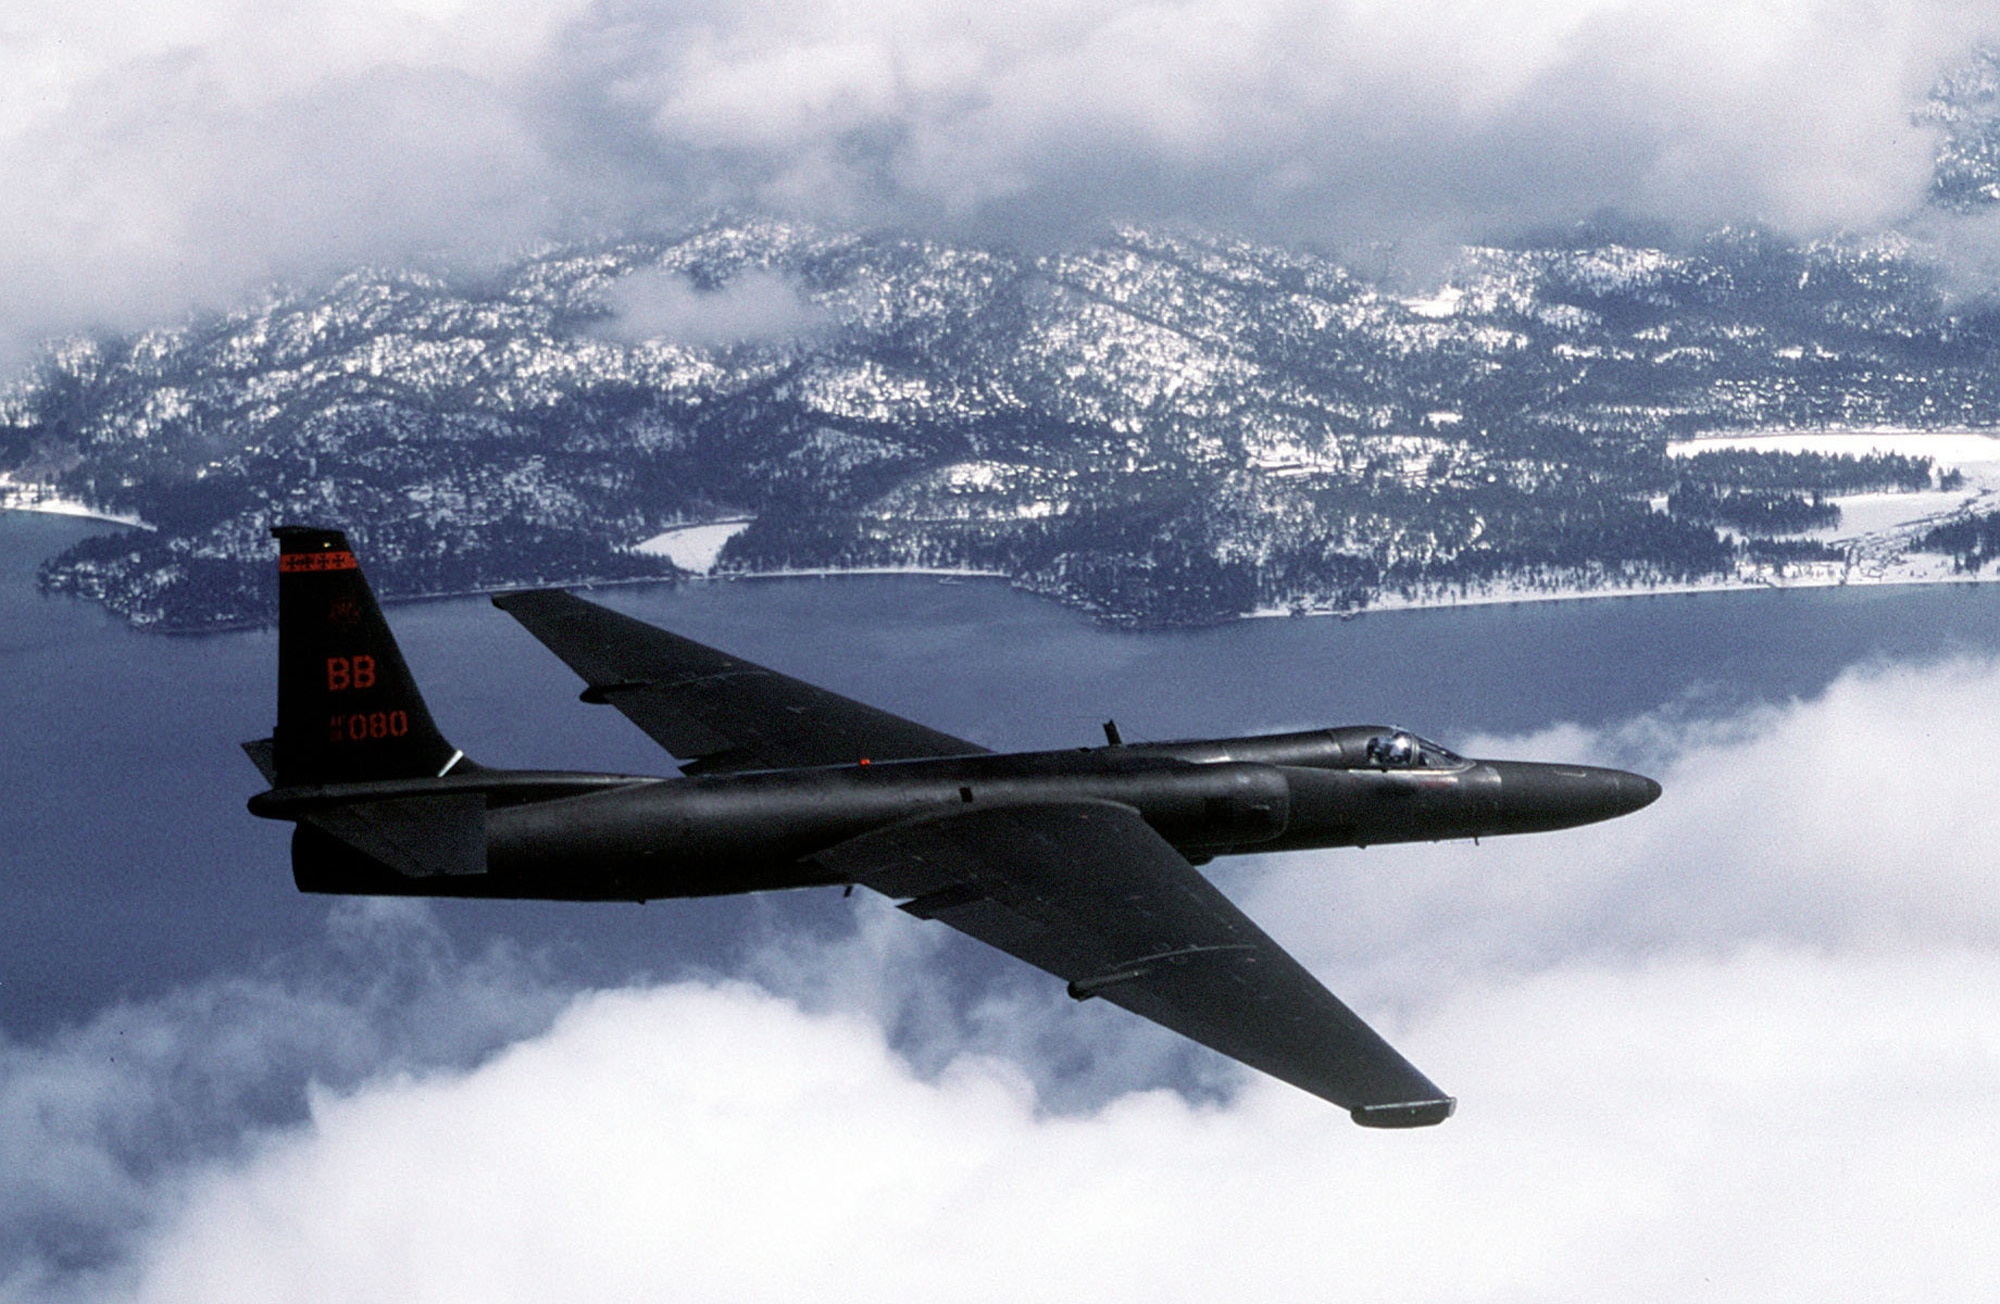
(291, 563)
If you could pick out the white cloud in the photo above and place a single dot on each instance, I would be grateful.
(662, 306)
(1743, 1045)
(1772, 1126)
(156, 157)
(1305, 118)
(149, 177)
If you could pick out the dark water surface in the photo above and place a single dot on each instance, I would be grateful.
(127, 861)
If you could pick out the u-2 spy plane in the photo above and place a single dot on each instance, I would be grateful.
(1080, 862)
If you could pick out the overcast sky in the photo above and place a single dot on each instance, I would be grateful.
(154, 156)
(1740, 1047)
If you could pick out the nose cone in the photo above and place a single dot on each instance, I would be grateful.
(1536, 797)
(1638, 790)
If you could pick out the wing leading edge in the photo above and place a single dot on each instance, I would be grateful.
(715, 712)
(1089, 892)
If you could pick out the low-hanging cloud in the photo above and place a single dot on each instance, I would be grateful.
(157, 158)
(757, 307)
(1310, 118)
(153, 158)
(1741, 1045)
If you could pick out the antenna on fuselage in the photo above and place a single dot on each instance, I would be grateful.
(1111, 735)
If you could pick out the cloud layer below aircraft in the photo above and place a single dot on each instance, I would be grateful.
(1742, 1044)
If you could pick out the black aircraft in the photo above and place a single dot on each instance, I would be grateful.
(1080, 862)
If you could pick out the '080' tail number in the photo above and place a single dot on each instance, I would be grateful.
(367, 726)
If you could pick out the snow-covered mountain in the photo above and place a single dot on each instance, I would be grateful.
(1163, 427)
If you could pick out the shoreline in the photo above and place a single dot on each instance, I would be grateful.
(1877, 539)
(1897, 573)
(1397, 603)
(1387, 604)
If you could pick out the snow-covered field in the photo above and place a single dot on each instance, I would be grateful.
(694, 547)
(17, 497)
(1868, 514)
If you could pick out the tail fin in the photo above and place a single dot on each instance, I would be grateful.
(348, 709)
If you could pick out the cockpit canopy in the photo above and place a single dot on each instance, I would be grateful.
(1402, 750)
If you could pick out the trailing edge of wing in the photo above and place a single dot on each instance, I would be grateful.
(1089, 892)
(714, 711)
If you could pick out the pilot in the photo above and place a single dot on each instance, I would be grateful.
(1392, 751)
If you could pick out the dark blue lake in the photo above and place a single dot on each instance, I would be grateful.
(129, 864)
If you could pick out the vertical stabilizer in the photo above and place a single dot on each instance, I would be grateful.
(348, 709)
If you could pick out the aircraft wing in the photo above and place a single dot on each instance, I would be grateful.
(715, 712)
(1089, 892)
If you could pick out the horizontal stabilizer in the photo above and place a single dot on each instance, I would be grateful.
(263, 753)
(420, 837)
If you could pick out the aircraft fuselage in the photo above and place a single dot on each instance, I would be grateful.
(625, 838)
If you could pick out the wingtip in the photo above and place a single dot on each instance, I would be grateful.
(1410, 1113)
